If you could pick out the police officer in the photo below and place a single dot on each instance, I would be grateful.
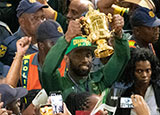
(30, 15)
(145, 28)
(4, 33)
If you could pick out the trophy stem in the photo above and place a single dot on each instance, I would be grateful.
(103, 49)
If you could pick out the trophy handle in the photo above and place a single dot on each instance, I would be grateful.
(109, 17)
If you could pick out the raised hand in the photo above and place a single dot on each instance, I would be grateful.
(3, 111)
(74, 30)
(66, 111)
(22, 45)
(140, 106)
(117, 24)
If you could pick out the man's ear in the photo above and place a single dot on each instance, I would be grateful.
(136, 30)
(41, 46)
(21, 21)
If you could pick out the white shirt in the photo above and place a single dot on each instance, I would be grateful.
(151, 102)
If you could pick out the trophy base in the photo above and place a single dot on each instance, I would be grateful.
(103, 49)
(103, 54)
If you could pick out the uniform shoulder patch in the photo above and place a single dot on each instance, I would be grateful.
(151, 14)
(3, 50)
(60, 29)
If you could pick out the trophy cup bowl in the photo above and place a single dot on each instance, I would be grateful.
(95, 26)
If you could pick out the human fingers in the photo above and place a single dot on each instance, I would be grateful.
(66, 111)
(74, 30)
(133, 99)
(3, 111)
(140, 106)
(118, 23)
(9, 112)
(24, 41)
(103, 112)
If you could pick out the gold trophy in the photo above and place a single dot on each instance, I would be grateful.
(95, 26)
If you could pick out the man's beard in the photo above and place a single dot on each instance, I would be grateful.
(78, 71)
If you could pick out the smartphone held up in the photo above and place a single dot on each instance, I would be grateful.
(56, 102)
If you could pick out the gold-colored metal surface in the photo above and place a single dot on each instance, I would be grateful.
(46, 110)
(95, 26)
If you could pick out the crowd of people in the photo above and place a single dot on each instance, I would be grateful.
(44, 48)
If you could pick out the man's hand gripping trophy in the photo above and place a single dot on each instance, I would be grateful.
(95, 26)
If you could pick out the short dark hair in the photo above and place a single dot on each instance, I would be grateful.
(141, 54)
(77, 101)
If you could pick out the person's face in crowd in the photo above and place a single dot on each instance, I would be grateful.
(80, 61)
(143, 72)
(148, 34)
(45, 45)
(30, 22)
(76, 9)
(14, 107)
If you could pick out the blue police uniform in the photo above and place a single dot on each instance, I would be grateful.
(8, 47)
(143, 17)
(4, 33)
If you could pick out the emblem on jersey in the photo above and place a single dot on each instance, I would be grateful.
(8, 5)
(3, 50)
(151, 14)
(60, 29)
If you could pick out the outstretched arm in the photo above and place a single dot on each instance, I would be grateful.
(14, 72)
(115, 66)
(50, 75)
